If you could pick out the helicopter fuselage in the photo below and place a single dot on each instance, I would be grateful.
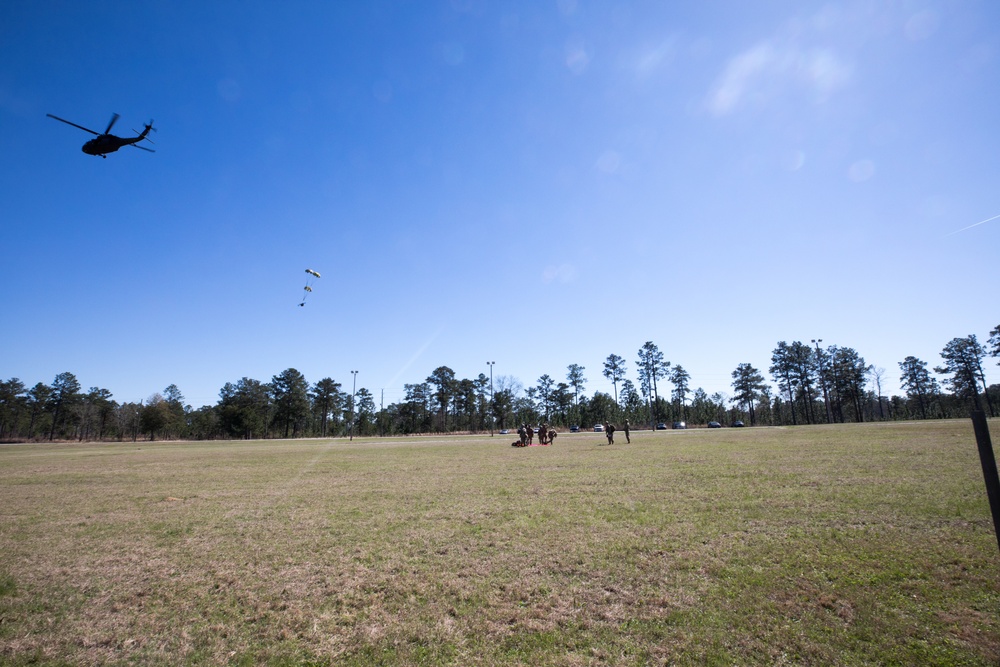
(103, 144)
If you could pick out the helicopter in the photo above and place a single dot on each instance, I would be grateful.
(106, 143)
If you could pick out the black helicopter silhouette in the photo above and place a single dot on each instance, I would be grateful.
(109, 143)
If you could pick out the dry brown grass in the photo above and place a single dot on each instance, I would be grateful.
(858, 544)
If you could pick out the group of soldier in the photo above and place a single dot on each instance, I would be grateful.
(547, 436)
(526, 433)
(609, 432)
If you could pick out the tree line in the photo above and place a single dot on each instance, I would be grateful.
(811, 385)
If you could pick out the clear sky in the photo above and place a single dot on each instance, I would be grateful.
(537, 183)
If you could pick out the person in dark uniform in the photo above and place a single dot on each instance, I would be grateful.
(524, 435)
(531, 434)
(609, 430)
(625, 428)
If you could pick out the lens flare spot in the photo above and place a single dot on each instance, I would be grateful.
(453, 53)
(563, 273)
(793, 160)
(382, 90)
(577, 56)
(229, 90)
(567, 7)
(921, 25)
(609, 162)
(861, 171)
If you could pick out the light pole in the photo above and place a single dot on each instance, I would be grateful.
(354, 391)
(822, 379)
(649, 395)
(492, 404)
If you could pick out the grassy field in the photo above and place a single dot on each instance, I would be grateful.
(841, 545)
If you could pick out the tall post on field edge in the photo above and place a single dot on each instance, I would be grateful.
(989, 463)
(493, 404)
(354, 393)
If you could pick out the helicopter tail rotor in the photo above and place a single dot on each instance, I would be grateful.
(145, 131)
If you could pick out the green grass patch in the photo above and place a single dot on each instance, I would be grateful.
(827, 545)
(8, 586)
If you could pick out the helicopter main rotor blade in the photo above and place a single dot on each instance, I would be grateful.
(142, 148)
(145, 138)
(114, 118)
(85, 129)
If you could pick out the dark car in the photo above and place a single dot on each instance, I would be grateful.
(574, 428)
(714, 425)
(738, 423)
(661, 427)
(680, 425)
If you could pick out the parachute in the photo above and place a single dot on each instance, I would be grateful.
(310, 281)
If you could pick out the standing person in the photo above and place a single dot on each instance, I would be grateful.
(628, 440)
(611, 433)
(524, 435)
(531, 434)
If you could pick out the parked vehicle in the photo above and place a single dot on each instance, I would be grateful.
(598, 428)
(661, 427)
(574, 428)
(738, 423)
(679, 425)
(714, 425)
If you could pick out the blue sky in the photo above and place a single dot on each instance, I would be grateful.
(534, 183)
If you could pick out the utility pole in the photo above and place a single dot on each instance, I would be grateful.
(492, 403)
(354, 391)
(822, 379)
